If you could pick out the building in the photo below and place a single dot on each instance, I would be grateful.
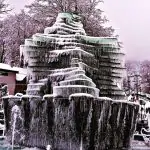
(13, 77)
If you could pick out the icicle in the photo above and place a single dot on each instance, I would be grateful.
(49, 147)
(13, 131)
(16, 112)
(81, 143)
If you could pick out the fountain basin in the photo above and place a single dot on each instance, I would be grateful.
(102, 123)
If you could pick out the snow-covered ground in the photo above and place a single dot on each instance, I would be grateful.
(139, 145)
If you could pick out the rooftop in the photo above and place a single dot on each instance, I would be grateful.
(20, 72)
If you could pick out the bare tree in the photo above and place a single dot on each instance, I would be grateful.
(3, 53)
(4, 8)
(145, 73)
(47, 10)
(14, 30)
(132, 69)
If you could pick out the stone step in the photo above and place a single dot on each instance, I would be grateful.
(61, 75)
(66, 91)
(33, 92)
(81, 76)
(35, 86)
(77, 81)
(43, 80)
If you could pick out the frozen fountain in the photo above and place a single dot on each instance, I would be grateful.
(74, 98)
(15, 114)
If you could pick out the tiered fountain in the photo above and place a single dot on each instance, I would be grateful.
(74, 98)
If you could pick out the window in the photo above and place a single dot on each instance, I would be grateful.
(2, 73)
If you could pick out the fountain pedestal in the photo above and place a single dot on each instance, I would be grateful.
(99, 123)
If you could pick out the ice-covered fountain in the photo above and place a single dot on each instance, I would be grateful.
(74, 98)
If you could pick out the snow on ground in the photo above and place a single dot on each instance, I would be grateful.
(139, 145)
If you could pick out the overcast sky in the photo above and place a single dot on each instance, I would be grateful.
(130, 18)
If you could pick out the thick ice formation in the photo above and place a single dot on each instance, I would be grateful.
(74, 98)
(65, 45)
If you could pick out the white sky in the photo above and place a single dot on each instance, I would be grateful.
(18, 4)
(130, 18)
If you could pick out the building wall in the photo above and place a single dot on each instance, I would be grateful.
(10, 80)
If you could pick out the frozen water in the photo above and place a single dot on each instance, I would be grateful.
(28, 148)
(49, 147)
(81, 143)
(80, 94)
(13, 130)
(74, 97)
(16, 112)
(148, 118)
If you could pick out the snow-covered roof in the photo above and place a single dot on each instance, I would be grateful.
(147, 105)
(20, 77)
(21, 73)
(7, 67)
